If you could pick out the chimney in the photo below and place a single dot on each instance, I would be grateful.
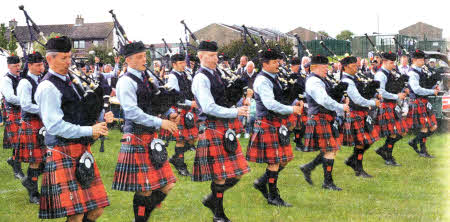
(12, 23)
(79, 21)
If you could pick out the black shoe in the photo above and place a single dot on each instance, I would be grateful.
(180, 166)
(382, 152)
(414, 146)
(331, 186)
(221, 219)
(300, 147)
(18, 173)
(32, 192)
(34, 199)
(306, 174)
(351, 162)
(426, 155)
(262, 187)
(208, 201)
(391, 162)
(276, 200)
(363, 174)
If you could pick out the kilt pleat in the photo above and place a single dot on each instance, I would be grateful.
(134, 170)
(61, 193)
(264, 146)
(212, 161)
(318, 134)
(418, 116)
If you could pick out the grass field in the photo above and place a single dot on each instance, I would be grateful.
(416, 191)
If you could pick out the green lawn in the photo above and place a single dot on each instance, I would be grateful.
(417, 191)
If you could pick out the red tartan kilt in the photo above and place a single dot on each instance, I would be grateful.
(61, 193)
(264, 146)
(183, 134)
(318, 134)
(418, 117)
(301, 119)
(212, 161)
(29, 149)
(134, 170)
(354, 132)
(12, 126)
(387, 123)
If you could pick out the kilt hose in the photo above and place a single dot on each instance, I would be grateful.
(134, 170)
(212, 161)
(61, 193)
(264, 146)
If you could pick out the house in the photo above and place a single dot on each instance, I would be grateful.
(84, 35)
(422, 31)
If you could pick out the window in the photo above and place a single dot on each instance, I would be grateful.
(79, 44)
(95, 42)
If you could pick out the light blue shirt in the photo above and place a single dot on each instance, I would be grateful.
(380, 76)
(48, 98)
(315, 88)
(403, 69)
(201, 88)
(173, 83)
(126, 93)
(7, 90)
(413, 82)
(264, 87)
(24, 92)
(354, 94)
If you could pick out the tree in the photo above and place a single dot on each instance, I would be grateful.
(236, 49)
(324, 34)
(345, 35)
(106, 55)
(7, 42)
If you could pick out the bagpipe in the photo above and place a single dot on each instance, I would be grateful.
(397, 82)
(338, 88)
(92, 100)
(431, 79)
(367, 87)
(164, 97)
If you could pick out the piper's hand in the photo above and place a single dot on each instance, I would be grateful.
(436, 90)
(174, 117)
(377, 103)
(194, 104)
(401, 96)
(113, 93)
(169, 125)
(406, 91)
(346, 108)
(297, 110)
(347, 100)
(109, 117)
(243, 111)
(99, 129)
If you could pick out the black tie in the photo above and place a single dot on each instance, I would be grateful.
(146, 79)
(68, 82)
(216, 74)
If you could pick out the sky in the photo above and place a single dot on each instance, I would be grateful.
(150, 21)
